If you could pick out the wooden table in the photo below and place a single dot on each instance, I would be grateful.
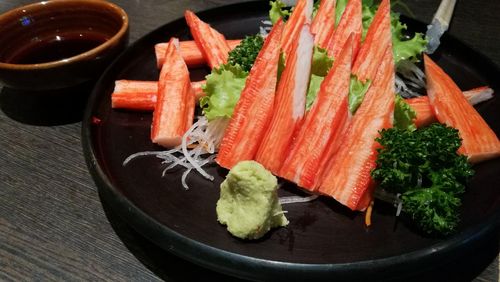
(52, 223)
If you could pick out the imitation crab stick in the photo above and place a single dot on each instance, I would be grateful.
(479, 141)
(350, 23)
(323, 23)
(425, 115)
(141, 95)
(378, 37)
(211, 43)
(347, 178)
(189, 51)
(289, 105)
(174, 110)
(254, 109)
(301, 15)
(326, 116)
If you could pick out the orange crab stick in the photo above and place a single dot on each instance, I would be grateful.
(479, 141)
(134, 95)
(350, 23)
(323, 23)
(289, 105)
(254, 109)
(174, 110)
(301, 15)
(423, 109)
(347, 178)
(141, 95)
(425, 115)
(378, 37)
(326, 116)
(212, 44)
(189, 51)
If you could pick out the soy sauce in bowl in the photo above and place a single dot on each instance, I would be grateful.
(55, 44)
(57, 48)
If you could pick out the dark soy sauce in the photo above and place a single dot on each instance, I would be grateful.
(57, 48)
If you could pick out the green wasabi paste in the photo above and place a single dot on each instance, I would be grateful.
(248, 203)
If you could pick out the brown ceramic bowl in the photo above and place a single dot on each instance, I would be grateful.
(59, 43)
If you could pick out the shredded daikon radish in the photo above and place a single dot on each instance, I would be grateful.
(410, 80)
(297, 199)
(485, 95)
(265, 28)
(198, 148)
(399, 205)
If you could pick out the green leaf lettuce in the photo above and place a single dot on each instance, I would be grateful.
(222, 89)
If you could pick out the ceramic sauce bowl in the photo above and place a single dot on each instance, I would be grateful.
(59, 43)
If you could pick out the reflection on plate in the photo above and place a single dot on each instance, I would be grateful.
(324, 240)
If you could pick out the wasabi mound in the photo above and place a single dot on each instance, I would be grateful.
(248, 202)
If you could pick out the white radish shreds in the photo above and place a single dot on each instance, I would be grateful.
(198, 148)
(410, 80)
(484, 95)
(265, 28)
(399, 204)
(214, 133)
(297, 199)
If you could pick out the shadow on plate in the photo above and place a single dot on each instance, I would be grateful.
(162, 263)
(172, 268)
(50, 107)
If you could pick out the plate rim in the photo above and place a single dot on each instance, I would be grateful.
(225, 261)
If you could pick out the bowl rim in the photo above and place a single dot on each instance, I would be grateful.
(79, 57)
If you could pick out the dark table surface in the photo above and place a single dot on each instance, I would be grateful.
(53, 225)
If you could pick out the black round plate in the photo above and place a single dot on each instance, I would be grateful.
(323, 240)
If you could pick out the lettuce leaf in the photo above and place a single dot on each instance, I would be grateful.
(339, 10)
(404, 46)
(357, 91)
(404, 115)
(278, 10)
(321, 64)
(222, 89)
(312, 92)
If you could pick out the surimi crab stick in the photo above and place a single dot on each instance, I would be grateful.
(289, 103)
(479, 141)
(139, 95)
(326, 116)
(425, 115)
(190, 52)
(323, 24)
(254, 109)
(348, 178)
(301, 15)
(212, 44)
(378, 37)
(350, 23)
(174, 110)
(366, 63)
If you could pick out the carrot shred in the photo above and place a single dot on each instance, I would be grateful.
(368, 214)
